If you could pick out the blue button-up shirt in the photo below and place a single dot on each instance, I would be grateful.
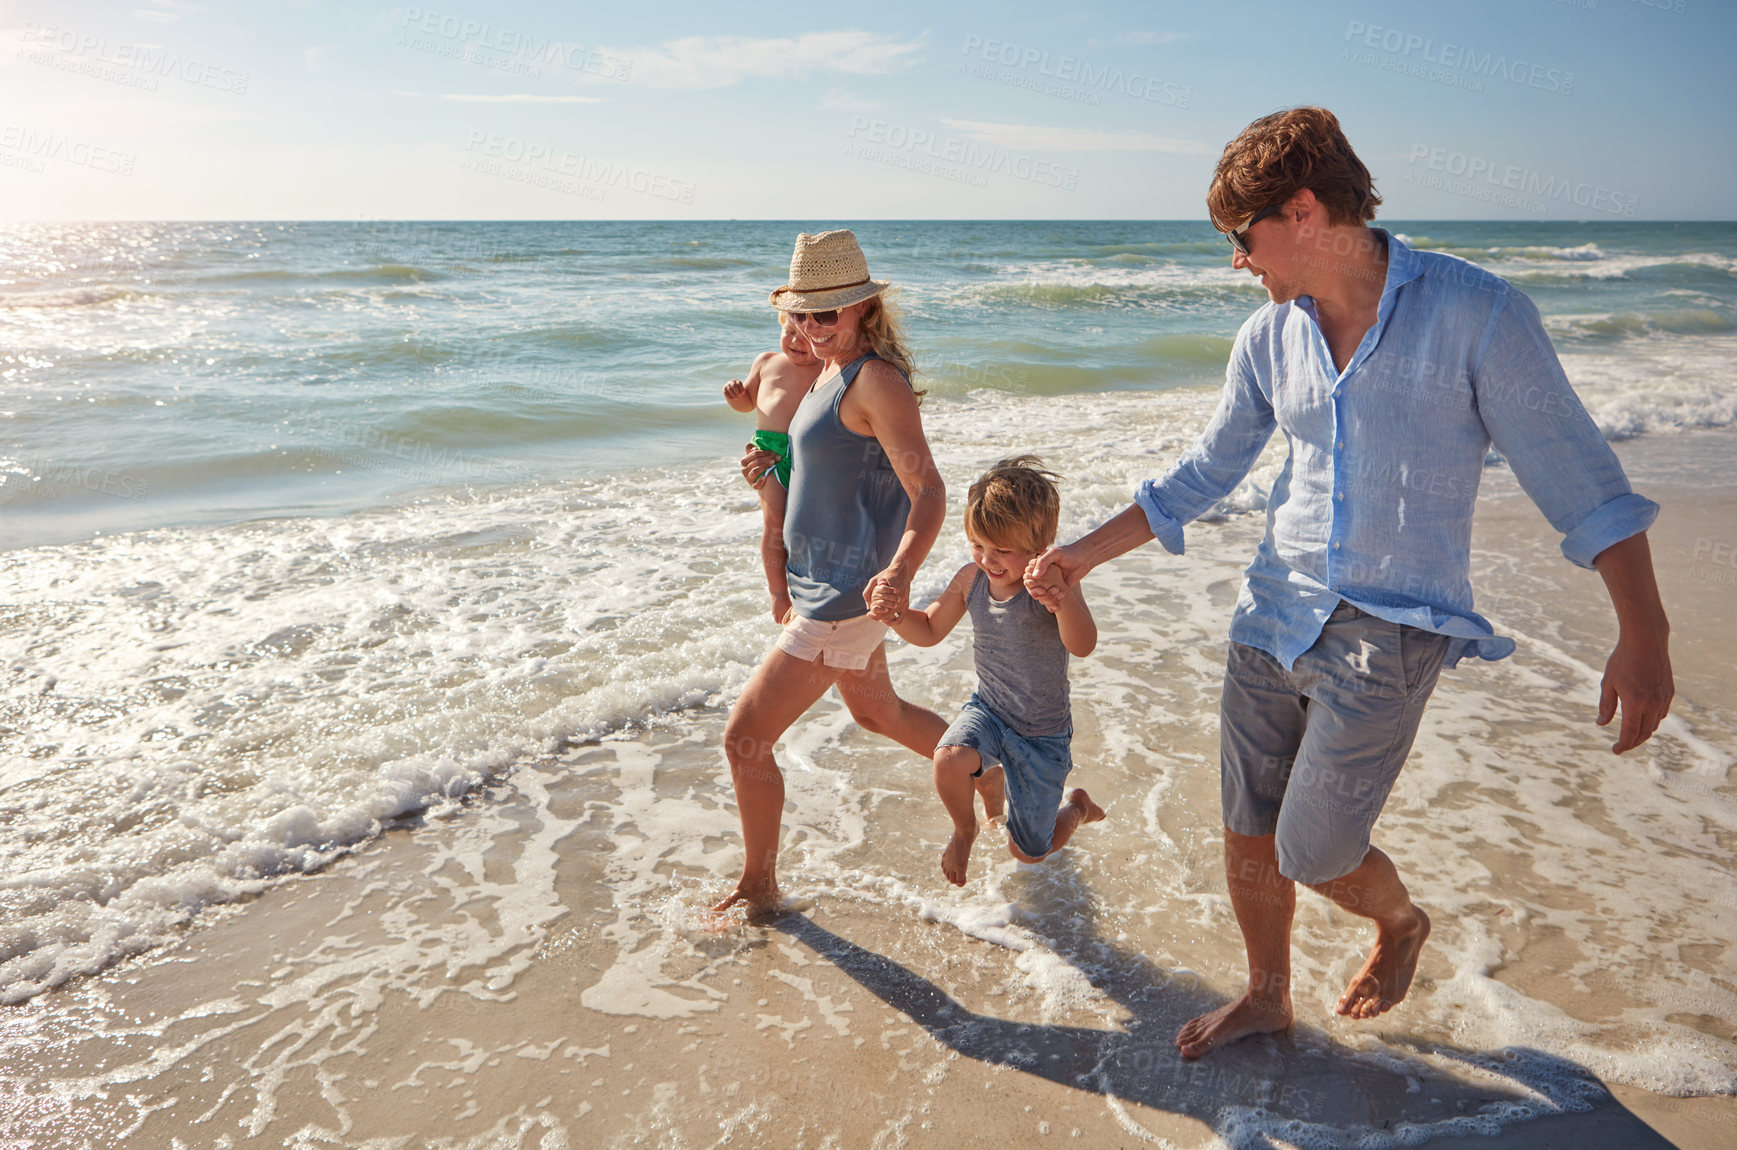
(1374, 504)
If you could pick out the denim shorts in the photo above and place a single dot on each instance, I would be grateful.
(1036, 767)
(1309, 755)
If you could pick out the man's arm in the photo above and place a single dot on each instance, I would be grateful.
(1563, 462)
(1208, 471)
(1638, 673)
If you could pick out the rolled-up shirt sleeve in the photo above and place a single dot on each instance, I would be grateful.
(1218, 460)
(1543, 430)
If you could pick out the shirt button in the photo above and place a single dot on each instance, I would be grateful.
(1340, 445)
(1341, 498)
(1335, 547)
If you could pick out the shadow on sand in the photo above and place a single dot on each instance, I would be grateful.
(1302, 1087)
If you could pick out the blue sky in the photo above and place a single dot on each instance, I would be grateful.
(1518, 109)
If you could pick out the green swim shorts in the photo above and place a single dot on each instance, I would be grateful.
(778, 443)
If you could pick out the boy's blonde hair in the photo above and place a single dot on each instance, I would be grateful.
(1014, 504)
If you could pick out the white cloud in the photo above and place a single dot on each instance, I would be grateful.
(1150, 37)
(1042, 138)
(521, 98)
(719, 61)
(164, 11)
(839, 99)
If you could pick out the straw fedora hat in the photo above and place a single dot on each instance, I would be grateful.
(827, 271)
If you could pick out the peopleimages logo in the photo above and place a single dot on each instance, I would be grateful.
(964, 156)
(1481, 178)
(1070, 70)
(1449, 62)
(148, 59)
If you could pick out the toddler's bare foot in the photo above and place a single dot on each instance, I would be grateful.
(1090, 812)
(958, 854)
(992, 788)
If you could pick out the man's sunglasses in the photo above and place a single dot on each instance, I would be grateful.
(1235, 237)
(823, 318)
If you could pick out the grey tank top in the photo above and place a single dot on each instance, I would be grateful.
(1022, 664)
(847, 509)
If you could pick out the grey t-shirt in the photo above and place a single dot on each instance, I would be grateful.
(1022, 665)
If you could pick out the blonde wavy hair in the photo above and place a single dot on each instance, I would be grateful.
(883, 329)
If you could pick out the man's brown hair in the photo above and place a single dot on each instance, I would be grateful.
(1014, 504)
(1279, 155)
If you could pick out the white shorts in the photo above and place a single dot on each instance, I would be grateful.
(847, 645)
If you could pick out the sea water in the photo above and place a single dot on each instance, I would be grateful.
(313, 528)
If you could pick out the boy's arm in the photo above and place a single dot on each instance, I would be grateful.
(744, 395)
(1067, 601)
(929, 626)
(1079, 631)
(773, 558)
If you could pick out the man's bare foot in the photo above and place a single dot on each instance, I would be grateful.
(1247, 1015)
(759, 897)
(1090, 812)
(958, 854)
(1382, 983)
(992, 788)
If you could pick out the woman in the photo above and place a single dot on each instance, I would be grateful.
(865, 505)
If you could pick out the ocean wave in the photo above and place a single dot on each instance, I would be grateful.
(93, 296)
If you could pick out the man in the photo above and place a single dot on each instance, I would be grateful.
(1391, 372)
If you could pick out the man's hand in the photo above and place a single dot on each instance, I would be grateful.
(757, 465)
(1048, 576)
(1638, 675)
(888, 594)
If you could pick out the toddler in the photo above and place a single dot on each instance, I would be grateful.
(1019, 715)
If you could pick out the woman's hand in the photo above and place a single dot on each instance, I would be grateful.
(888, 594)
(757, 465)
(782, 609)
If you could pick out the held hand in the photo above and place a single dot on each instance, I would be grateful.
(757, 465)
(1638, 675)
(1050, 590)
(888, 594)
(1049, 575)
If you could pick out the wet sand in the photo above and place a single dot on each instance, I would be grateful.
(534, 967)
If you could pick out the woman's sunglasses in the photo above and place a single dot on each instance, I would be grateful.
(823, 318)
(1235, 237)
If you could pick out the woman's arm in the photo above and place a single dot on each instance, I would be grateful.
(880, 403)
(927, 627)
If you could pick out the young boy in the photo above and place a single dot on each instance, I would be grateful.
(774, 387)
(1019, 715)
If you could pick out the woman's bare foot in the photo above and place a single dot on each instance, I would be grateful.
(1247, 1015)
(1382, 983)
(992, 789)
(958, 854)
(759, 897)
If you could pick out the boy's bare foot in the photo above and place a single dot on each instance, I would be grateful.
(1090, 812)
(1247, 1015)
(1382, 983)
(992, 788)
(958, 854)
